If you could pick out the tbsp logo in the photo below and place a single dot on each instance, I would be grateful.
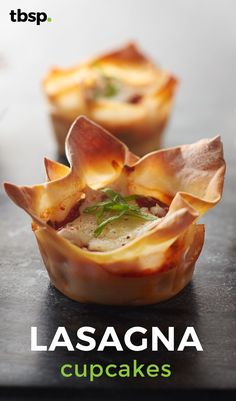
(22, 16)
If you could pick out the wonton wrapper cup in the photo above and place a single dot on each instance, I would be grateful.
(139, 125)
(154, 266)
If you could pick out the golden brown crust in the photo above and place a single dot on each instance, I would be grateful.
(196, 171)
(94, 153)
(55, 170)
(128, 53)
(188, 178)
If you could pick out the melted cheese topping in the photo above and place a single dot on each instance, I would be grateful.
(115, 235)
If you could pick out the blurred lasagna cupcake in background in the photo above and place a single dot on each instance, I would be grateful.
(122, 90)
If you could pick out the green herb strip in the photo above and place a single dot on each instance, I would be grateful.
(111, 87)
(117, 206)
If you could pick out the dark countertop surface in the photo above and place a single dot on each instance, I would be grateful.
(206, 105)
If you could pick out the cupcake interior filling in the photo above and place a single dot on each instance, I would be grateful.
(102, 83)
(106, 220)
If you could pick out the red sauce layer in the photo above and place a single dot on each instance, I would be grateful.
(149, 201)
(71, 216)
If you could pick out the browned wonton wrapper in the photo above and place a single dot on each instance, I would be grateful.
(156, 265)
(138, 120)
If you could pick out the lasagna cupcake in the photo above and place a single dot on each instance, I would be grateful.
(117, 229)
(123, 91)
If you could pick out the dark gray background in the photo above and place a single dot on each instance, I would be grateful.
(195, 39)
